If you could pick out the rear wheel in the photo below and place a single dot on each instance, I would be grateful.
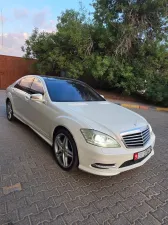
(9, 110)
(65, 150)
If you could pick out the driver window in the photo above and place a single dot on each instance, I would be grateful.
(37, 87)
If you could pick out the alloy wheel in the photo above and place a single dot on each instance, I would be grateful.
(63, 150)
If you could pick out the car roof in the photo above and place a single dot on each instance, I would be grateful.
(45, 78)
(55, 78)
(50, 78)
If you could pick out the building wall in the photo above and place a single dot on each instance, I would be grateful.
(12, 68)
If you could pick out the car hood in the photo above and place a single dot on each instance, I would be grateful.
(105, 114)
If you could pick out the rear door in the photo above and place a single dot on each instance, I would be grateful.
(21, 96)
(14, 92)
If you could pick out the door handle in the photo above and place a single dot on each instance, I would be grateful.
(13, 90)
(27, 98)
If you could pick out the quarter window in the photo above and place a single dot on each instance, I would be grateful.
(17, 85)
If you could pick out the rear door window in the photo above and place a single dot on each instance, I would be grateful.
(24, 84)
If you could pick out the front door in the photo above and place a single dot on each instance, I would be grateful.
(38, 110)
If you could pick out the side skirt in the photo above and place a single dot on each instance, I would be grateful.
(43, 137)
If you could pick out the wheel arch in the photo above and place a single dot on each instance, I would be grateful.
(61, 127)
(67, 123)
(7, 99)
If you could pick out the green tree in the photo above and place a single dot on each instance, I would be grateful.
(123, 45)
(136, 35)
(131, 23)
(40, 46)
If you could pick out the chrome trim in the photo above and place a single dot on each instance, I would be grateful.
(137, 137)
(134, 130)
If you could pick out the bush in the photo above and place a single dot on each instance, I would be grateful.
(157, 91)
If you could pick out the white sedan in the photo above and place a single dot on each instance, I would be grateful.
(85, 130)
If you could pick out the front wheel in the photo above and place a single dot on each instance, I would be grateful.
(9, 110)
(65, 150)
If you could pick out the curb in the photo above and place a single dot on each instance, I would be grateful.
(132, 106)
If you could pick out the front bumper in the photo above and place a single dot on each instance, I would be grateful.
(115, 157)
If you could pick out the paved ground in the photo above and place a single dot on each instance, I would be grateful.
(51, 196)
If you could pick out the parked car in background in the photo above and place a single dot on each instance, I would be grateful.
(85, 130)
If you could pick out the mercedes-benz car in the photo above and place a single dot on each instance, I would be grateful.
(84, 129)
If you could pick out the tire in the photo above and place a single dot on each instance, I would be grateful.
(65, 150)
(9, 111)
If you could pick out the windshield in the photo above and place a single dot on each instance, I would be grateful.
(70, 91)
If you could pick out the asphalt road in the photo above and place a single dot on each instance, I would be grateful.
(52, 196)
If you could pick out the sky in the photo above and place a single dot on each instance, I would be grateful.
(19, 17)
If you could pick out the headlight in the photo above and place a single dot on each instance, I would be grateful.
(150, 128)
(99, 139)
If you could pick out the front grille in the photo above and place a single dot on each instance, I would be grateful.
(137, 139)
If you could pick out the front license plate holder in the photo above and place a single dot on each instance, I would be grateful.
(144, 153)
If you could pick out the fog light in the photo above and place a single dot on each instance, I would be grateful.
(103, 166)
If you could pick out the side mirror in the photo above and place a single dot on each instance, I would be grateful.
(37, 98)
(102, 96)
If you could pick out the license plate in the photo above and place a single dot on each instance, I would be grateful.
(144, 153)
